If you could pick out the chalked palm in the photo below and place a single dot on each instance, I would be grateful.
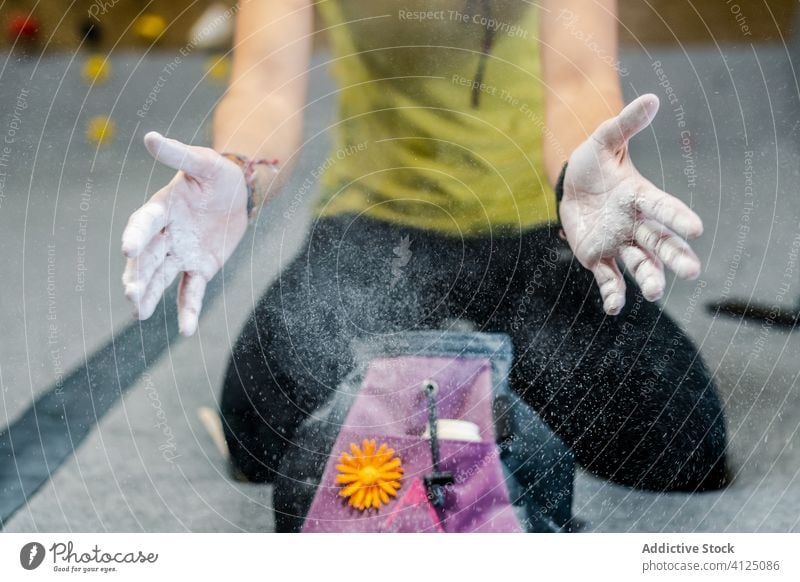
(609, 211)
(189, 227)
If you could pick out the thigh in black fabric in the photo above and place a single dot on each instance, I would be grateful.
(630, 394)
(294, 348)
(271, 383)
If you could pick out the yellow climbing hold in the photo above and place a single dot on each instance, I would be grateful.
(149, 26)
(218, 68)
(100, 129)
(369, 478)
(96, 69)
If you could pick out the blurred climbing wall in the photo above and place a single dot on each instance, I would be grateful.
(62, 25)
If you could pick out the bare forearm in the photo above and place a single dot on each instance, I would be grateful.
(582, 86)
(573, 116)
(256, 125)
(261, 113)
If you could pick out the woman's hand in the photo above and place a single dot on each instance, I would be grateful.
(190, 226)
(609, 211)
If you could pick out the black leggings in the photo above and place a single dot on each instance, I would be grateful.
(630, 394)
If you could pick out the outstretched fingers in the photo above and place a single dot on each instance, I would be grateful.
(162, 278)
(191, 291)
(647, 271)
(140, 269)
(669, 211)
(612, 285)
(143, 225)
(673, 251)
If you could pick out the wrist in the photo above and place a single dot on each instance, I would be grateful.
(258, 177)
(559, 190)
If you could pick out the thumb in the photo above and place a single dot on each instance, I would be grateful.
(178, 155)
(637, 115)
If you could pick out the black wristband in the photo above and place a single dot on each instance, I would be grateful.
(560, 191)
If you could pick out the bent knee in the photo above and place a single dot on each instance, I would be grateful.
(690, 460)
(695, 463)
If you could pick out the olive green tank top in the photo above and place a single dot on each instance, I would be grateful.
(422, 138)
